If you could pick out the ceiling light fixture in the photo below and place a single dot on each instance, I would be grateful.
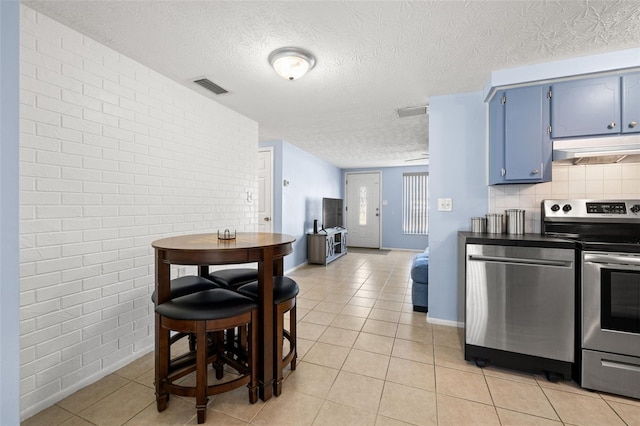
(291, 62)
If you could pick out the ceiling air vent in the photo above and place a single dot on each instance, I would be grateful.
(417, 110)
(211, 86)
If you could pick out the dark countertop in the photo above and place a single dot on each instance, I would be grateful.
(525, 240)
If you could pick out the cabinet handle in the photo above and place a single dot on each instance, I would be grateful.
(503, 172)
(633, 124)
(612, 125)
(535, 171)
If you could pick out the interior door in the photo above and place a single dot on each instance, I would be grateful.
(363, 209)
(265, 189)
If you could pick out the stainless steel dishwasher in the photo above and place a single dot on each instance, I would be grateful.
(520, 308)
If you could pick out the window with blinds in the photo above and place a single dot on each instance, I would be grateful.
(415, 203)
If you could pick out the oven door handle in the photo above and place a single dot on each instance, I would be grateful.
(612, 259)
(620, 365)
(521, 261)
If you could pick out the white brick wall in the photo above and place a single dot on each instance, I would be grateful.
(113, 157)
(604, 181)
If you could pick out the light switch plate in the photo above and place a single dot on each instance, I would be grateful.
(445, 205)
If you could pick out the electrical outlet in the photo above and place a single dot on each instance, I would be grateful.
(445, 205)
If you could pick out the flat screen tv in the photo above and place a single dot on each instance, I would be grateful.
(332, 213)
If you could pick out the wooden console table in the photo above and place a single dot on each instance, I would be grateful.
(267, 249)
(327, 245)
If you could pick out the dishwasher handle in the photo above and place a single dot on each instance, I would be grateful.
(521, 261)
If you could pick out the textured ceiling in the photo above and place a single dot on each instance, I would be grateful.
(372, 57)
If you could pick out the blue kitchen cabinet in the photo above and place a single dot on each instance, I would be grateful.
(496, 139)
(630, 103)
(586, 107)
(519, 141)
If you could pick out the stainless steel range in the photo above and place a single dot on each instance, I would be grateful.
(608, 236)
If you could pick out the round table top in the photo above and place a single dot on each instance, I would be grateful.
(208, 242)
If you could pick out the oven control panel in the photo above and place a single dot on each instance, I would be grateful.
(603, 208)
(589, 210)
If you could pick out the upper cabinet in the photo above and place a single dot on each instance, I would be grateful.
(597, 106)
(524, 120)
(519, 142)
(631, 103)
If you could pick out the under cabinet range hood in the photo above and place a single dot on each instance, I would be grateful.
(606, 150)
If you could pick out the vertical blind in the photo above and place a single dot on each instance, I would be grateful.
(415, 203)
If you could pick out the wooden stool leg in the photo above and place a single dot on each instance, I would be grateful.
(252, 351)
(201, 371)
(218, 364)
(278, 342)
(293, 334)
(162, 359)
(242, 340)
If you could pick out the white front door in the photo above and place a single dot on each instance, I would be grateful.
(363, 209)
(265, 189)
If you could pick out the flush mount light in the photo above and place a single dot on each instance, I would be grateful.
(291, 62)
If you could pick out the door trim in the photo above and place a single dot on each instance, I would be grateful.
(270, 150)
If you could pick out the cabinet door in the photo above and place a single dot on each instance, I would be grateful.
(525, 133)
(586, 107)
(631, 103)
(496, 139)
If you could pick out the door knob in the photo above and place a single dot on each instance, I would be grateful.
(267, 219)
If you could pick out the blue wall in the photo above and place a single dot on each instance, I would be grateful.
(392, 236)
(457, 156)
(9, 239)
(310, 179)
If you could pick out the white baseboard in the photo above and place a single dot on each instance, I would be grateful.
(402, 249)
(449, 323)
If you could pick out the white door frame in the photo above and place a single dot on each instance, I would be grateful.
(270, 150)
(379, 173)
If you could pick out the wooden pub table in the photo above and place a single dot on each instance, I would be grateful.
(267, 249)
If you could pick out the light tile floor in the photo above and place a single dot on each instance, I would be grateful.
(364, 359)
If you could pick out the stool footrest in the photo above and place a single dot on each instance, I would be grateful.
(211, 389)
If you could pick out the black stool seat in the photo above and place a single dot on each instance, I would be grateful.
(186, 285)
(284, 288)
(232, 278)
(212, 304)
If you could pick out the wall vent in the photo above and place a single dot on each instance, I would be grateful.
(409, 111)
(210, 85)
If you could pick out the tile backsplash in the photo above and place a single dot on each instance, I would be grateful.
(602, 181)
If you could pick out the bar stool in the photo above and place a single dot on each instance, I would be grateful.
(285, 291)
(183, 286)
(230, 278)
(206, 313)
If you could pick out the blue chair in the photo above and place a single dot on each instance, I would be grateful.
(420, 282)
